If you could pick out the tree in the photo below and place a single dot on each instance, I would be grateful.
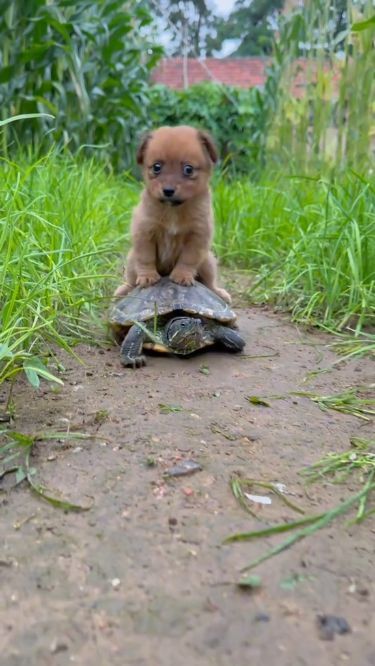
(252, 23)
(189, 24)
(86, 63)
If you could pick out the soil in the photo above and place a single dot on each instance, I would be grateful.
(143, 578)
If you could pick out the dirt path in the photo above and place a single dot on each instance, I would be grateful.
(142, 578)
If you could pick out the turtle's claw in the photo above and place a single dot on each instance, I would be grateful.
(136, 362)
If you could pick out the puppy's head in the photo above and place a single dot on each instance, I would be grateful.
(177, 163)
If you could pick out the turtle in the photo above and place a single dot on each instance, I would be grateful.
(171, 318)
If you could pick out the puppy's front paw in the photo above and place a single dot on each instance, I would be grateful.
(224, 295)
(182, 276)
(147, 279)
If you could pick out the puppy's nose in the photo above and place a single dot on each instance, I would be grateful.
(168, 192)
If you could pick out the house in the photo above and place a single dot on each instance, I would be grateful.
(250, 72)
(181, 73)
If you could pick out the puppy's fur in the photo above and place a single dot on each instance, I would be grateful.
(172, 226)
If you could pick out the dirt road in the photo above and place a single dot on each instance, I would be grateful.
(142, 578)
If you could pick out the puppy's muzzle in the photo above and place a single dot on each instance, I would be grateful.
(168, 192)
(168, 197)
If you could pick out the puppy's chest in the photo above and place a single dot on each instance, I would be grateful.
(171, 224)
(170, 240)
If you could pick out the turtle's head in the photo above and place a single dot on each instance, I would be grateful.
(184, 335)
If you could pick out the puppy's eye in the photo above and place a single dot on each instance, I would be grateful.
(188, 170)
(156, 168)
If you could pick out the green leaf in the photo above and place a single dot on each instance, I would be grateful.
(20, 475)
(253, 582)
(34, 368)
(32, 376)
(255, 400)
(20, 438)
(364, 25)
(5, 352)
(24, 116)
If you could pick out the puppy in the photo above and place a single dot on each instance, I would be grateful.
(172, 227)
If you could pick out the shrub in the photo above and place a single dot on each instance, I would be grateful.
(87, 64)
(234, 116)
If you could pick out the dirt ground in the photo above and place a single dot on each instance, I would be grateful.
(142, 578)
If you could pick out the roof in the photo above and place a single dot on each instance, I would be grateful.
(241, 72)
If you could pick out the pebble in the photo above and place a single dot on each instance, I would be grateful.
(329, 625)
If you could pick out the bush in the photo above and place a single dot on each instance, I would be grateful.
(234, 116)
(87, 64)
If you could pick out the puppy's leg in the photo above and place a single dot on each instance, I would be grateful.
(191, 256)
(130, 277)
(207, 273)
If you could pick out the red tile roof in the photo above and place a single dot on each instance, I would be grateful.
(241, 72)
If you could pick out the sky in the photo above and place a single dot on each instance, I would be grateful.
(224, 6)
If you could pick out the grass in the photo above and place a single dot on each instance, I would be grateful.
(336, 467)
(64, 224)
(309, 241)
(348, 402)
(16, 450)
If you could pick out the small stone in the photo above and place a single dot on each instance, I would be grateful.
(58, 645)
(183, 468)
(115, 582)
(262, 617)
(172, 521)
(329, 625)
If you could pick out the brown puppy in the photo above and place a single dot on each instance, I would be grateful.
(172, 226)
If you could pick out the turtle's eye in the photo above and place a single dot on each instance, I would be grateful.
(156, 168)
(188, 170)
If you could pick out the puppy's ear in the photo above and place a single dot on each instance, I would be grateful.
(208, 143)
(140, 155)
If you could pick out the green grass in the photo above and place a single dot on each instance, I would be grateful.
(355, 401)
(64, 224)
(337, 467)
(311, 243)
(16, 450)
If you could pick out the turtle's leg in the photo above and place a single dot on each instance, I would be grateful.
(131, 348)
(228, 338)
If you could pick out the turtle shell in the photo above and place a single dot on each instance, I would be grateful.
(166, 297)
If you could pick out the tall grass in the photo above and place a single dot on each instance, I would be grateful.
(61, 224)
(310, 241)
(64, 225)
(321, 87)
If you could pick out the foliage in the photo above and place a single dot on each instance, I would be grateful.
(16, 450)
(235, 117)
(60, 223)
(329, 118)
(64, 228)
(87, 64)
(252, 24)
(311, 242)
(189, 24)
(339, 467)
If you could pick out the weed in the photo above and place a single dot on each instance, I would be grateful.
(169, 409)
(347, 402)
(330, 466)
(15, 455)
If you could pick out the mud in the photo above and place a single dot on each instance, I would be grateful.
(142, 577)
